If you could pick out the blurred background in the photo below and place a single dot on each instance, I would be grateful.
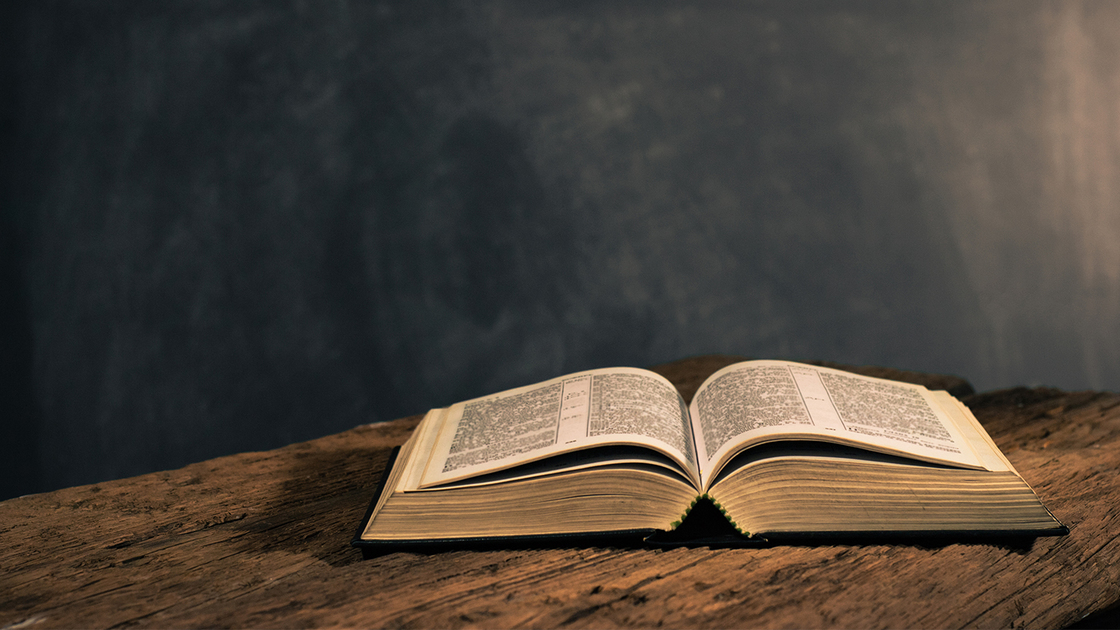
(229, 226)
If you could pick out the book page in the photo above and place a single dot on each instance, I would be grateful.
(615, 456)
(578, 411)
(978, 439)
(758, 401)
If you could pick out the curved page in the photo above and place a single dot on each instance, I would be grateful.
(760, 401)
(573, 412)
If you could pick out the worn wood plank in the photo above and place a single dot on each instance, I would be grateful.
(261, 539)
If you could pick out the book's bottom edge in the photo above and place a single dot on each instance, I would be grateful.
(631, 538)
(655, 538)
(1011, 538)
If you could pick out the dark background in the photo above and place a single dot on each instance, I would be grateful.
(231, 225)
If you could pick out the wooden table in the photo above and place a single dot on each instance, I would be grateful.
(262, 539)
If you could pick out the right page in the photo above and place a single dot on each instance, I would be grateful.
(760, 401)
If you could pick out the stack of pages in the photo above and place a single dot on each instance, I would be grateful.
(783, 450)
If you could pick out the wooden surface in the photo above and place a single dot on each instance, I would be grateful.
(262, 539)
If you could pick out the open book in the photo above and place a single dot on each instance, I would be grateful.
(782, 449)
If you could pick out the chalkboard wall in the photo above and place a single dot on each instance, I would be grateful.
(231, 225)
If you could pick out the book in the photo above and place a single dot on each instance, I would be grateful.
(781, 450)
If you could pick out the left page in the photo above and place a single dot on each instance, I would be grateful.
(607, 407)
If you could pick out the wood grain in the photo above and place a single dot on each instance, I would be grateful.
(262, 539)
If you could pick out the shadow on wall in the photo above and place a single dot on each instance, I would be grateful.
(20, 417)
(20, 470)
